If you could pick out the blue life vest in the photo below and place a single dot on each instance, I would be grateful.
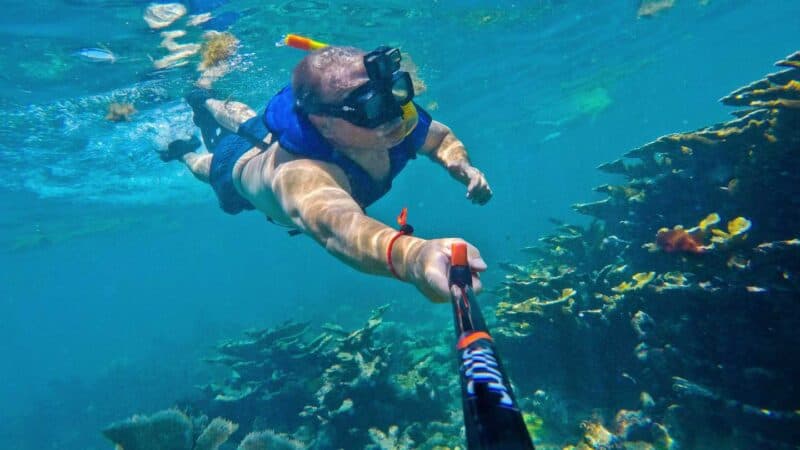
(298, 136)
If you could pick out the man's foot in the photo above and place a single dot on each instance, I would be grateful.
(209, 128)
(176, 149)
(196, 98)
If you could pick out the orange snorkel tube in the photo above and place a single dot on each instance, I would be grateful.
(302, 43)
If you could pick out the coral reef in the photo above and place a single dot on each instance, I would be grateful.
(322, 389)
(714, 303)
(169, 430)
(120, 112)
(174, 430)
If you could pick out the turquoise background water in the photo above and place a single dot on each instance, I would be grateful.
(119, 271)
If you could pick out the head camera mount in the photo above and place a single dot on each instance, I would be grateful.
(382, 62)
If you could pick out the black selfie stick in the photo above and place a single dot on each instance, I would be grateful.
(491, 416)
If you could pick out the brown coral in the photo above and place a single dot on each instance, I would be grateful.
(120, 112)
(217, 48)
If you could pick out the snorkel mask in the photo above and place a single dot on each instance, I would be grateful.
(384, 97)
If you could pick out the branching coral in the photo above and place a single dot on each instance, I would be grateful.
(650, 296)
(169, 430)
(326, 385)
(391, 440)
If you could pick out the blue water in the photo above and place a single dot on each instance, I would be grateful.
(112, 260)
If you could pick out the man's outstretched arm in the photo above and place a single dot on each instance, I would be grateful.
(443, 147)
(312, 195)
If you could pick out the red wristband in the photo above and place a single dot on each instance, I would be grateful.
(405, 230)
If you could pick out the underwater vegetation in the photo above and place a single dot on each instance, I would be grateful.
(676, 307)
(217, 52)
(668, 321)
(217, 48)
(335, 388)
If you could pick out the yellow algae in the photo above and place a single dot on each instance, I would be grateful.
(686, 150)
(643, 278)
(781, 103)
(217, 48)
(672, 280)
(534, 304)
(609, 299)
(640, 279)
(792, 85)
(770, 138)
(738, 226)
(711, 219)
(725, 132)
(566, 293)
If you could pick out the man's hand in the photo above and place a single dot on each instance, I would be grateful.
(431, 268)
(478, 189)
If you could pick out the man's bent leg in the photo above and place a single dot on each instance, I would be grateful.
(229, 114)
(217, 118)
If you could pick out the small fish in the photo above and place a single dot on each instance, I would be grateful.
(95, 54)
(756, 289)
(551, 136)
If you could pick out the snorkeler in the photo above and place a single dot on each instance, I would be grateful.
(328, 146)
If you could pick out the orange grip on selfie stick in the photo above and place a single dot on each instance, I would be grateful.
(458, 256)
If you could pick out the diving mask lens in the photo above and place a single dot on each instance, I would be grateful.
(373, 109)
(373, 105)
(402, 87)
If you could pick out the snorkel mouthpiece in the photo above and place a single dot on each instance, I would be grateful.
(410, 116)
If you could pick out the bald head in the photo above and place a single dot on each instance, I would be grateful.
(326, 76)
